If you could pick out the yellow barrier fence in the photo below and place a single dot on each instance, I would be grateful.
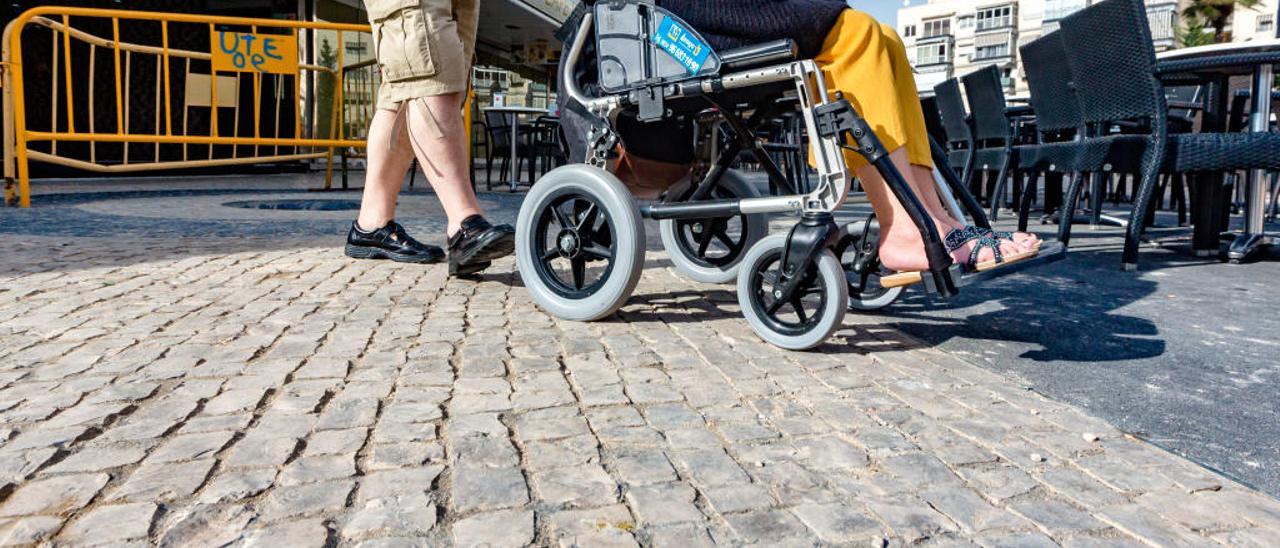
(250, 64)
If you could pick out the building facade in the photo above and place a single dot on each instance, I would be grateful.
(947, 38)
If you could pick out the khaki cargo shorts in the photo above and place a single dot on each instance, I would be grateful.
(424, 47)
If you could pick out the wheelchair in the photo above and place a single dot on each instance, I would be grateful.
(580, 238)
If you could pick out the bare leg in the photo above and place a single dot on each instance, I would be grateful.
(389, 159)
(435, 130)
(922, 181)
(901, 246)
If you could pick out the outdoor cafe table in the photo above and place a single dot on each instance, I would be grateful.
(513, 113)
(1208, 216)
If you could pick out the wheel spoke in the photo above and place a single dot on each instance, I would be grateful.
(561, 218)
(598, 251)
(728, 242)
(773, 308)
(588, 220)
(798, 304)
(579, 267)
(550, 254)
(703, 243)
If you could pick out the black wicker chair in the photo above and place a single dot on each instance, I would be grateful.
(1059, 124)
(992, 131)
(955, 121)
(1115, 74)
(498, 129)
(547, 140)
(933, 119)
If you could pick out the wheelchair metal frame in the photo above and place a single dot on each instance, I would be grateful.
(833, 177)
(840, 122)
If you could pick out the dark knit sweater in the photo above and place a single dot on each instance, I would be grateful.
(729, 24)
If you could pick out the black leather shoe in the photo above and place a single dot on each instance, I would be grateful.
(390, 242)
(477, 243)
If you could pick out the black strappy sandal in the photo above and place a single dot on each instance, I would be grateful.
(956, 239)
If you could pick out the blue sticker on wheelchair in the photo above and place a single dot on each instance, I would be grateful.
(686, 47)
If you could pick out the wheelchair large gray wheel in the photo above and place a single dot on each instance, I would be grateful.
(710, 250)
(579, 243)
(804, 321)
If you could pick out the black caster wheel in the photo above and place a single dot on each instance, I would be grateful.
(710, 250)
(807, 319)
(579, 243)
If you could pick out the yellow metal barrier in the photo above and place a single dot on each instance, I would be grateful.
(254, 59)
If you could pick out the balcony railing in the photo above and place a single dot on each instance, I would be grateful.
(994, 23)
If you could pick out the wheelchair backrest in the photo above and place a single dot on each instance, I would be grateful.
(640, 44)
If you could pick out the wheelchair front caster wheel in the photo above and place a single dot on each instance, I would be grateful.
(710, 250)
(807, 319)
(579, 243)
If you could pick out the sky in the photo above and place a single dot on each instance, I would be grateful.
(885, 11)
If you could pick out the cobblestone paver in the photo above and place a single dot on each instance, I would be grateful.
(235, 391)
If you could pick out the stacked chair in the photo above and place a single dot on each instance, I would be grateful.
(1059, 123)
(992, 131)
(1115, 78)
(1100, 109)
(955, 124)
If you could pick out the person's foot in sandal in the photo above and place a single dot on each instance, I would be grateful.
(946, 223)
(477, 243)
(902, 248)
(1024, 240)
(976, 243)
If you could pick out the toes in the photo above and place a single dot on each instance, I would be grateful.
(1027, 237)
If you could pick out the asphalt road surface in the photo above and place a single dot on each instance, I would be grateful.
(1184, 353)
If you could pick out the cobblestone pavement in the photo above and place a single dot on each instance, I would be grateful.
(212, 391)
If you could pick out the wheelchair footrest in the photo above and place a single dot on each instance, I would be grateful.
(1049, 253)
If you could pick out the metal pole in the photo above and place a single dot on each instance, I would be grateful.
(309, 14)
(1256, 184)
(1260, 121)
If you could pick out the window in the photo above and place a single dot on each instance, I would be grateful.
(932, 54)
(964, 22)
(937, 27)
(1266, 22)
(1057, 9)
(994, 18)
(1162, 20)
(992, 51)
(908, 31)
(992, 45)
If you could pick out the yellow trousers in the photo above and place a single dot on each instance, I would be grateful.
(866, 61)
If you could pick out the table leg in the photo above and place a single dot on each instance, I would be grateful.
(1206, 188)
(1254, 237)
(515, 155)
(1052, 191)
